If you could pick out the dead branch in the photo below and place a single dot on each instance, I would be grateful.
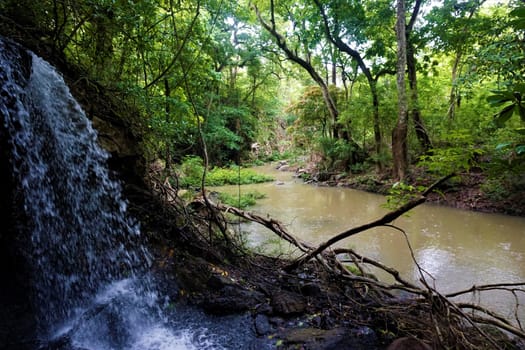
(487, 287)
(403, 284)
(272, 224)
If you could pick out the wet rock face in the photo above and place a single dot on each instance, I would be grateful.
(14, 272)
(17, 260)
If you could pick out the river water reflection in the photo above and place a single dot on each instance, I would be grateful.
(458, 248)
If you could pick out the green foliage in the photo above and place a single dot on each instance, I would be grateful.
(400, 194)
(191, 171)
(336, 153)
(506, 169)
(459, 154)
(235, 176)
(512, 102)
(353, 269)
(244, 201)
(209, 65)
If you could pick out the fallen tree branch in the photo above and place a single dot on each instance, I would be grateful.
(403, 284)
(442, 321)
(387, 218)
(272, 224)
(487, 287)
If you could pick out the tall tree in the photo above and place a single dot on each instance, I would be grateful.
(419, 125)
(336, 29)
(399, 135)
(453, 27)
(306, 64)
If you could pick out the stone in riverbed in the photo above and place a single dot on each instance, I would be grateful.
(262, 325)
(286, 303)
(231, 300)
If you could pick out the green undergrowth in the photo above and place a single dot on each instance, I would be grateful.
(191, 170)
(243, 201)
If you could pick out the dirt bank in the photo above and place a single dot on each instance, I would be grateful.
(466, 191)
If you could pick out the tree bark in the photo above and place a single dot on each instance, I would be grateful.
(419, 125)
(451, 113)
(421, 131)
(399, 134)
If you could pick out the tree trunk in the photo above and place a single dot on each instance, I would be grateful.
(342, 46)
(167, 114)
(451, 113)
(377, 130)
(399, 134)
(454, 98)
(421, 131)
(334, 67)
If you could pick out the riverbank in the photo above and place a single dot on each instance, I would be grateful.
(304, 309)
(467, 191)
(315, 306)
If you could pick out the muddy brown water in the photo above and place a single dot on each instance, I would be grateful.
(459, 249)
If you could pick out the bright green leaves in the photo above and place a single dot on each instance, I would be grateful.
(191, 170)
(400, 194)
(513, 101)
(461, 154)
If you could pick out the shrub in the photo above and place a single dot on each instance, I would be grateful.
(245, 200)
(192, 168)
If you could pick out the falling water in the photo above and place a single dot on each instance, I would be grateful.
(80, 235)
(84, 251)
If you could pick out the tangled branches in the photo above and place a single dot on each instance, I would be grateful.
(423, 311)
(402, 307)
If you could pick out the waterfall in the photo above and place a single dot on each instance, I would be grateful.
(88, 269)
(81, 237)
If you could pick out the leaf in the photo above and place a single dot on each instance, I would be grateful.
(502, 146)
(519, 88)
(520, 149)
(499, 99)
(519, 24)
(519, 12)
(501, 118)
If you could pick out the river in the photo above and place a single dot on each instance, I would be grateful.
(457, 248)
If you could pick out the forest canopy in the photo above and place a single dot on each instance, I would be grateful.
(261, 80)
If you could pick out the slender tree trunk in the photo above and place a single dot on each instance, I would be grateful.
(419, 125)
(305, 64)
(343, 46)
(454, 98)
(451, 113)
(334, 67)
(421, 132)
(377, 130)
(399, 134)
(167, 113)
